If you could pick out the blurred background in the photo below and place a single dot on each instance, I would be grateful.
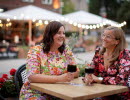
(22, 24)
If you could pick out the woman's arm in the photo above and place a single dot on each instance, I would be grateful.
(71, 59)
(41, 78)
(95, 62)
(123, 70)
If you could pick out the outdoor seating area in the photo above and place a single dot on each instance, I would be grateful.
(7, 52)
(64, 50)
(74, 90)
(78, 90)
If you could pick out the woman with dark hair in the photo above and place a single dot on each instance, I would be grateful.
(112, 62)
(47, 62)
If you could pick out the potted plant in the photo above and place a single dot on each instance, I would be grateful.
(7, 86)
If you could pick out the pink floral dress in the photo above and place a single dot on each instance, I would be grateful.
(116, 74)
(38, 62)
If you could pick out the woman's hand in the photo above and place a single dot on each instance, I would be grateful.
(88, 79)
(67, 77)
(96, 79)
(76, 74)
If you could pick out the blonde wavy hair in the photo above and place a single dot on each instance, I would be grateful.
(119, 35)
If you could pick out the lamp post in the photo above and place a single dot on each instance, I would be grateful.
(103, 13)
(103, 10)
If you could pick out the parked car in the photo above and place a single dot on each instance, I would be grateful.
(78, 50)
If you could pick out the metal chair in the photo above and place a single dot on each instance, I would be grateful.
(128, 81)
(20, 77)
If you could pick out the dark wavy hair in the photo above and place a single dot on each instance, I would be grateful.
(51, 29)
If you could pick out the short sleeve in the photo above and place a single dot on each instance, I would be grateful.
(69, 55)
(33, 61)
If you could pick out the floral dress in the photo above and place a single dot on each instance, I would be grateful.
(116, 74)
(38, 62)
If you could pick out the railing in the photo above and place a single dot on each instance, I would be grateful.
(10, 51)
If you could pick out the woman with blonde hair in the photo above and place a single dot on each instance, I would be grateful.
(112, 62)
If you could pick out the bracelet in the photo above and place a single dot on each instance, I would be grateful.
(100, 78)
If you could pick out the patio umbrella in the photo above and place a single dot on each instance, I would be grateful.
(5, 16)
(30, 13)
(83, 17)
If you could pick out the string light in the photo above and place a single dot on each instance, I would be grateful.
(34, 20)
(84, 26)
(95, 26)
(1, 25)
(46, 22)
(15, 17)
(8, 19)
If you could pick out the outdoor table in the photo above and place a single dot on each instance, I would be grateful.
(78, 91)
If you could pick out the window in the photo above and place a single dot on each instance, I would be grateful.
(28, 0)
(49, 2)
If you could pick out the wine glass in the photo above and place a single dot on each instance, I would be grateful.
(71, 69)
(89, 71)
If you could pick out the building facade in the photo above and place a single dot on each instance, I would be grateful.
(53, 5)
(80, 4)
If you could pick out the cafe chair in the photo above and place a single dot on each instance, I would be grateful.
(20, 77)
(128, 81)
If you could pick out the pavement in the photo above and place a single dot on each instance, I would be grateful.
(82, 58)
(7, 64)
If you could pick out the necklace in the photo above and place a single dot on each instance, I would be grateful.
(107, 58)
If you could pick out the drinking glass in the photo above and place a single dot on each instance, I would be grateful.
(89, 71)
(71, 69)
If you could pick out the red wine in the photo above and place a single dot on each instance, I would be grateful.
(89, 70)
(71, 68)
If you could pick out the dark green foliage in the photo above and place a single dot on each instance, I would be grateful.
(67, 34)
(112, 7)
(8, 89)
(94, 6)
(124, 11)
(82, 70)
(117, 10)
(68, 7)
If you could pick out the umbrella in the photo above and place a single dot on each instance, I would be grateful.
(83, 17)
(5, 16)
(31, 12)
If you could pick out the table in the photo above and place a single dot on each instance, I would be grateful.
(79, 91)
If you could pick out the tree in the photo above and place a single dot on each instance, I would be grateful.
(112, 7)
(94, 6)
(68, 7)
(124, 13)
(117, 10)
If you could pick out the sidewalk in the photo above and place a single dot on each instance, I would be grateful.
(6, 65)
(81, 58)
